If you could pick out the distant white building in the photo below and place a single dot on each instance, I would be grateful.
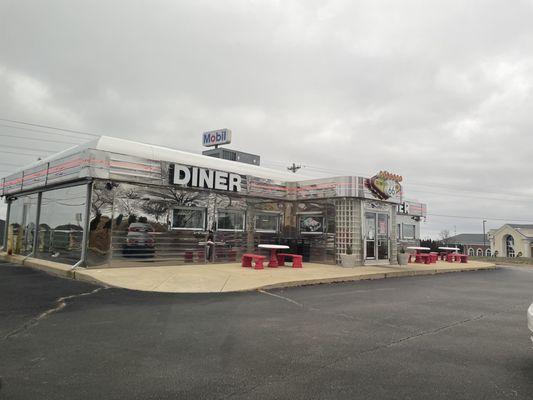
(512, 240)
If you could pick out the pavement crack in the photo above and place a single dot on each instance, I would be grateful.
(225, 283)
(281, 297)
(360, 353)
(319, 311)
(61, 303)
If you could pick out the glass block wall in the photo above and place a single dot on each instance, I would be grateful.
(348, 228)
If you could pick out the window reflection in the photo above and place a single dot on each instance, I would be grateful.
(229, 220)
(21, 230)
(61, 224)
(266, 222)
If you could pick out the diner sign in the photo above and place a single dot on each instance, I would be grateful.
(206, 178)
(385, 185)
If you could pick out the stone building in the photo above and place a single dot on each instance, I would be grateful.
(512, 240)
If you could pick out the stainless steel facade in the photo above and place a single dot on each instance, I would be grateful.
(99, 207)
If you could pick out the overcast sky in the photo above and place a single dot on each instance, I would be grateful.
(438, 91)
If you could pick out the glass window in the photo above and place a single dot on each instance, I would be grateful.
(488, 253)
(311, 224)
(188, 218)
(470, 251)
(408, 231)
(61, 224)
(479, 252)
(21, 230)
(266, 222)
(228, 220)
(509, 246)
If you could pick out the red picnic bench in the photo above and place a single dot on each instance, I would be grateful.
(463, 258)
(423, 258)
(296, 259)
(256, 258)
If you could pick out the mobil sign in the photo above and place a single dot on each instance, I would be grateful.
(214, 138)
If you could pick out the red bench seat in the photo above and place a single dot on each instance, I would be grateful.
(256, 258)
(296, 259)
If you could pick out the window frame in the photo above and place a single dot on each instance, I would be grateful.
(309, 214)
(231, 211)
(479, 250)
(399, 231)
(509, 245)
(278, 217)
(403, 232)
(204, 218)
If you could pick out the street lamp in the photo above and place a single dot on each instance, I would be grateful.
(484, 236)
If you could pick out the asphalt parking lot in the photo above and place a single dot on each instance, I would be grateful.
(451, 336)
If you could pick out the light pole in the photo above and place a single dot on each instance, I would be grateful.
(484, 237)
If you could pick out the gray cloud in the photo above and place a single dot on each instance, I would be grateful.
(439, 91)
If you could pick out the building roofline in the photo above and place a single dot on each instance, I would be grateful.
(160, 153)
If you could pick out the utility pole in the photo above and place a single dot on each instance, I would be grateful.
(294, 167)
(484, 236)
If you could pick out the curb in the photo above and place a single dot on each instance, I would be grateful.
(368, 277)
(66, 271)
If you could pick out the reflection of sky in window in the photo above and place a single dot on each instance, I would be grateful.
(266, 222)
(63, 207)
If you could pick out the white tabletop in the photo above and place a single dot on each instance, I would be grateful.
(418, 248)
(273, 246)
(449, 248)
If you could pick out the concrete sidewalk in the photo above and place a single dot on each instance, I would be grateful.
(214, 278)
(234, 278)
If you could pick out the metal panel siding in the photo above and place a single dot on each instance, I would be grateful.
(266, 188)
(134, 169)
(67, 168)
(13, 183)
(35, 177)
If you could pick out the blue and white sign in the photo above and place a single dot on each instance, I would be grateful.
(215, 138)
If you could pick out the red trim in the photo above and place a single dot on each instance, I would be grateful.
(132, 165)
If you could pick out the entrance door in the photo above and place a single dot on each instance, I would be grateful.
(383, 236)
(370, 236)
(376, 236)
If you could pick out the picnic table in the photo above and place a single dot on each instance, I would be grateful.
(273, 263)
(418, 249)
(447, 250)
(419, 256)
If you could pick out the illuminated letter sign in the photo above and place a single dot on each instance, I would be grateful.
(206, 178)
(402, 208)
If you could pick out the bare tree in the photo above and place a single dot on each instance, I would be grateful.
(444, 235)
(101, 198)
(155, 207)
(127, 200)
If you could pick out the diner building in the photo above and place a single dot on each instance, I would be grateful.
(113, 202)
(409, 214)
